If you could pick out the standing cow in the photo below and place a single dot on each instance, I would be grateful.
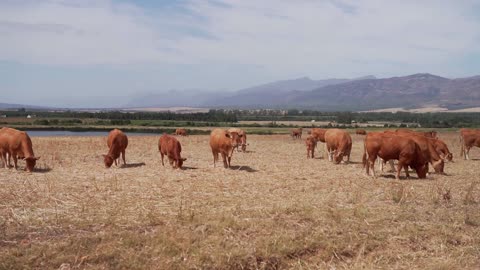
(181, 132)
(339, 144)
(296, 133)
(223, 142)
(16, 144)
(171, 147)
(243, 138)
(117, 142)
(468, 139)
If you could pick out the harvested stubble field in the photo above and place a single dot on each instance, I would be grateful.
(275, 209)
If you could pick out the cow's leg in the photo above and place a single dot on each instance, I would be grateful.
(123, 157)
(229, 160)
(467, 151)
(399, 168)
(406, 171)
(224, 158)
(4, 159)
(14, 156)
(372, 166)
(161, 154)
(215, 157)
(313, 152)
(171, 160)
(392, 167)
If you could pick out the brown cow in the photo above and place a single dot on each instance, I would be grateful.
(117, 142)
(223, 142)
(427, 146)
(389, 146)
(311, 143)
(296, 133)
(442, 150)
(319, 135)
(361, 132)
(243, 138)
(16, 144)
(171, 147)
(339, 144)
(181, 132)
(428, 134)
(468, 139)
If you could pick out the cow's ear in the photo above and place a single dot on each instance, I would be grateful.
(227, 135)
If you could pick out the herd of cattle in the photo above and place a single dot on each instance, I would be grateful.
(410, 148)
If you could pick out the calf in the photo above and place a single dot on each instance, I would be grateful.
(296, 133)
(117, 142)
(311, 143)
(171, 147)
(16, 144)
(223, 142)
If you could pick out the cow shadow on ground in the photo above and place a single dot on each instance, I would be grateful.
(353, 162)
(133, 165)
(188, 168)
(41, 170)
(475, 159)
(402, 177)
(243, 168)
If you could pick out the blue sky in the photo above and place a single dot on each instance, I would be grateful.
(88, 53)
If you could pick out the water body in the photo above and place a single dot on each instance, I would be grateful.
(56, 133)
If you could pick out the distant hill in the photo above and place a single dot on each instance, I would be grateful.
(273, 94)
(5, 106)
(368, 93)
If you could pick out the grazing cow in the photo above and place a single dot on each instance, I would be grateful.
(389, 146)
(468, 139)
(339, 144)
(181, 132)
(427, 146)
(223, 142)
(243, 138)
(311, 143)
(117, 142)
(171, 147)
(360, 132)
(296, 133)
(16, 144)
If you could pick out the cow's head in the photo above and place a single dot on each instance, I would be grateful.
(438, 165)
(108, 160)
(235, 138)
(30, 163)
(422, 170)
(180, 162)
(447, 157)
(338, 156)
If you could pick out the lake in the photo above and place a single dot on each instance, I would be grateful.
(55, 133)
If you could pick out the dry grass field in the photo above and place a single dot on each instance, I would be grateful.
(275, 209)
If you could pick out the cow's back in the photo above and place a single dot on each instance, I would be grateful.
(118, 139)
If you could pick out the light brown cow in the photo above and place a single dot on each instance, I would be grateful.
(311, 143)
(319, 135)
(16, 144)
(171, 147)
(468, 139)
(427, 146)
(339, 144)
(223, 142)
(117, 142)
(360, 132)
(181, 132)
(389, 146)
(243, 138)
(442, 150)
(296, 133)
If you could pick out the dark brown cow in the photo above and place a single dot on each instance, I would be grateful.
(181, 132)
(339, 144)
(468, 139)
(428, 149)
(243, 138)
(296, 133)
(361, 132)
(311, 143)
(117, 142)
(171, 147)
(389, 146)
(223, 142)
(16, 144)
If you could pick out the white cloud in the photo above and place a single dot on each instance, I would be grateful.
(329, 38)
